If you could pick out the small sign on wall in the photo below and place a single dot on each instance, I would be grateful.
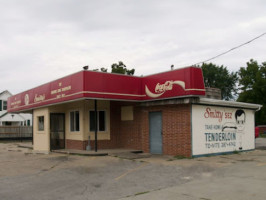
(221, 129)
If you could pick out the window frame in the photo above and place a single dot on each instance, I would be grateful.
(98, 124)
(39, 127)
(4, 105)
(70, 124)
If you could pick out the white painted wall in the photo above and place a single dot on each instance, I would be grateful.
(41, 139)
(215, 130)
(15, 118)
(4, 96)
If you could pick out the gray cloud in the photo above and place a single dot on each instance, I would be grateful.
(44, 40)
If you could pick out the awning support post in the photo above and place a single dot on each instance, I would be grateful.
(96, 124)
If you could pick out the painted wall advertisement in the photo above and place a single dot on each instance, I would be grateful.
(219, 129)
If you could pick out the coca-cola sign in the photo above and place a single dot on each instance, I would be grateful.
(160, 89)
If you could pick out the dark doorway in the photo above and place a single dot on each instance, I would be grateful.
(57, 131)
(155, 124)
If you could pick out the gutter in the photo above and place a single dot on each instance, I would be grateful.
(216, 102)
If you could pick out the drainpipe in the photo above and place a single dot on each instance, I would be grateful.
(96, 123)
(258, 109)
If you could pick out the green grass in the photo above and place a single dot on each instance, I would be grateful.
(236, 152)
(179, 157)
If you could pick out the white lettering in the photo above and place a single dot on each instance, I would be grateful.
(39, 98)
(160, 89)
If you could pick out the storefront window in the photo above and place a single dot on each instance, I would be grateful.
(41, 123)
(101, 115)
(74, 121)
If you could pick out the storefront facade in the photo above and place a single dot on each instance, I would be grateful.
(160, 114)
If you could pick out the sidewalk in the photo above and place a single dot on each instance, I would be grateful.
(122, 153)
(229, 188)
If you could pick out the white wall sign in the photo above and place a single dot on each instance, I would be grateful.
(220, 129)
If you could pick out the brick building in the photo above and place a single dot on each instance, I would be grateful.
(165, 113)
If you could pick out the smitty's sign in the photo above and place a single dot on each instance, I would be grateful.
(219, 129)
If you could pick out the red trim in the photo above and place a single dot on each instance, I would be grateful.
(90, 84)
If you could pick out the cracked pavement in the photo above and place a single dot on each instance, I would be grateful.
(24, 175)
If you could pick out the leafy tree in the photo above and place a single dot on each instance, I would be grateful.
(103, 69)
(252, 82)
(121, 68)
(219, 77)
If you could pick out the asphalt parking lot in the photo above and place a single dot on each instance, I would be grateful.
(24, 175)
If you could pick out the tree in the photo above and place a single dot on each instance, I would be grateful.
(252, 82)
(102, 69)
(121, 68)
(219, 77)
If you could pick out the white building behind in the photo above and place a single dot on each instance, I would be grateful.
(12, 119)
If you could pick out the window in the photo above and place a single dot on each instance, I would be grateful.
(4, 105)
(8, 123)
(41, 123)
(74, 121)
(28, 122)
(101, 115)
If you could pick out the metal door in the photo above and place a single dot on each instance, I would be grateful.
(155, 124)
(57, 131)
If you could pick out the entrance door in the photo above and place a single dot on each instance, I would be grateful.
(57, 131)
(155, 122)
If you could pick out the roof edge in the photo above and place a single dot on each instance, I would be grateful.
(229, 103)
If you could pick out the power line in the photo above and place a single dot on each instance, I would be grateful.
(232, 49)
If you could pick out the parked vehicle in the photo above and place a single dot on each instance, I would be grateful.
(257, 132)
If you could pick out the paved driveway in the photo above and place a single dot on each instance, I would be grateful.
(28, 176)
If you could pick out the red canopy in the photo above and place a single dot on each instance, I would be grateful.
(99, 85)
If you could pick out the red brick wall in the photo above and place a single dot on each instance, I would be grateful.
(75, 144)
(81, 145)
(176, 129)
(135, 134)
(123, 134)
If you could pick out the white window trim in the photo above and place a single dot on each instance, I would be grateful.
(38, 117)
(105, 119)
(70, 121)
(3, 104)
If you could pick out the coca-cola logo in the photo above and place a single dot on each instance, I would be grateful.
(160, 89)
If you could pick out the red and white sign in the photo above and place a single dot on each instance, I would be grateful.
(90, 84)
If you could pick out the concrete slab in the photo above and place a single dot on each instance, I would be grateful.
(26, 145)
(101, 152)
(63, 176)
(260, 143)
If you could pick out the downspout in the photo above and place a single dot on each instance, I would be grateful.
(258, 109)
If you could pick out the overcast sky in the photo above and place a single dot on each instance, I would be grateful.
(44, 40)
